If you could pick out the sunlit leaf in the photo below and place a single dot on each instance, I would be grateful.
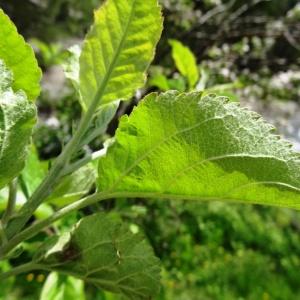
(18, 57)
(184, 146)
(185, 62)
(118, 50)
(33, 173)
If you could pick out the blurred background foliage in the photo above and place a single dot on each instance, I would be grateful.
(248, 50)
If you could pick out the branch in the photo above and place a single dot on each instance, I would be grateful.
(20, 269)
(11, 201)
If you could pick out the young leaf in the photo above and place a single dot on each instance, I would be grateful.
(185, 62)
(184, 146)
(101, 251)
(118, 50)
(61, 287)
(100, 122)
(73, 186)
(71, 66)
(17, 118)
(160, 81)
(19, 58)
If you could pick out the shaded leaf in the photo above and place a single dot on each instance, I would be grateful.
(71, 66)
(118, 50)
(184, 146)
(102, 251)
(33, 173)
(73, 187)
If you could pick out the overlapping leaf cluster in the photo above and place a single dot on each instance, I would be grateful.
(173, 145)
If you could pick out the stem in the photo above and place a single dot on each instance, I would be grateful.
(3, 238)
(11, 201)
(59, 165)
(56, 171)
(20, 269)
(37, 227)
(85, 160)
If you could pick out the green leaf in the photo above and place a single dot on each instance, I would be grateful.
(100, 122)
(33, 173)
(185, 62)
(44, 211)
(102, 251)
(118, 50)
(17, 118)
(73, 187)
(184, 146)
(160, 81)
(61, 287)
(18, 56)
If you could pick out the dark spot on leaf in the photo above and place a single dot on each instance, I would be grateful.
(72, 252)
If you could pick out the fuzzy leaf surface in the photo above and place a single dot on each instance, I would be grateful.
(184, 146)
(19, 57)
(118, 50)
(17, 118)
(102, 251)
(73, 186)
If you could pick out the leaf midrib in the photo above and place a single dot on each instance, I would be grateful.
(101, 90)
(166, 139)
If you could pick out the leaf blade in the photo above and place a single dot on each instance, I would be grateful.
(18, 56)
(200, 148)
(17, 118)
(185, 62)
(118, 49)
(100, 250)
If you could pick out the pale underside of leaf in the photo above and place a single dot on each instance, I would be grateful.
(185, 146)
(103, 252)
(17, 118)
(19, 57)
(118, 49)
